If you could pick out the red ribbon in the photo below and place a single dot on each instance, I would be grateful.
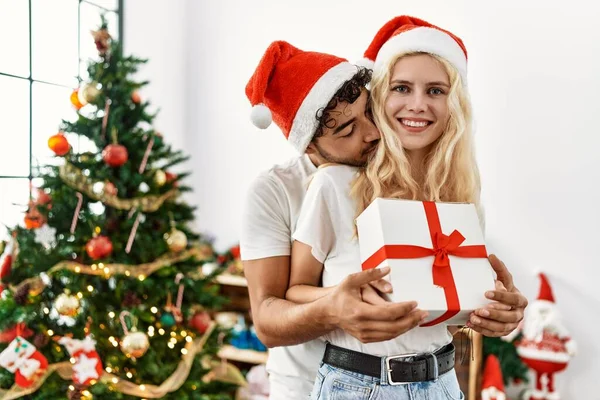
(443, 246)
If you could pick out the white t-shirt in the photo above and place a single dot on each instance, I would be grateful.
(271, 211)
(326, 223)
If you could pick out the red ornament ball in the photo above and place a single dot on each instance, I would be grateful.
(171, 177)
(136, 98)
(115, 155)
(99, 247)
(200, 321)
(58, 144)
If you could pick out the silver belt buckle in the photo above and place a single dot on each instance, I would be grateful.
(427, 354)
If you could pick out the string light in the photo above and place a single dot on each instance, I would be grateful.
(90, 288)
(129, 375)
(171, 345)
(154, 310)
(143, 387)
(183, 333)
(108, 369)
(184, 351)
(189, 339)
(94, 267)
(50, 332)
(173, 334)
(77, 269)
(115, 380)
(161, 331)
(141, 278)
(106, 270)
(111, 314)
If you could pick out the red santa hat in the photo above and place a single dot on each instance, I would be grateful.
(492, 387)
(290, 85)
(545, 289)
(405, 34)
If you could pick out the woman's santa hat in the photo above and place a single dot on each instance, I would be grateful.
(406, 34)
(492, 387)
(290, 86)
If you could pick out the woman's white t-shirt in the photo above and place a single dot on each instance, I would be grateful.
(326, 223)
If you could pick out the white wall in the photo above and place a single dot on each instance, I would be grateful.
(533, 74)
(156, 29)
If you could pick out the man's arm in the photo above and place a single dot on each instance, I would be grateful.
(503, 316)
(281, 322)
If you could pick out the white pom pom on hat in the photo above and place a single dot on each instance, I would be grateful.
(365, 62)
(261, 116)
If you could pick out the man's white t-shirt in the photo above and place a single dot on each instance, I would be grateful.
(271, 211)
(326, 223)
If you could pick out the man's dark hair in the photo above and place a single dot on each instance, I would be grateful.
(348, 93)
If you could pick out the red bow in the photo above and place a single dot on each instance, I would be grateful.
(443, 246)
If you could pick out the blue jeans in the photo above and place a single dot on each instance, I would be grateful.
(339, 384)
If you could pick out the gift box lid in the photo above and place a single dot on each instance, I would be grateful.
(398, 221)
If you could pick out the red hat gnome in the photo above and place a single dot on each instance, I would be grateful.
(492, 387)
(546, 346)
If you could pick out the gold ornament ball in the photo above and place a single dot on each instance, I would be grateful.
(89, 92)
(135, 344)
(67, 305)
(160, 178)
(176, 240)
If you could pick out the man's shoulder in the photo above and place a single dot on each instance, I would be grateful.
(280, 176)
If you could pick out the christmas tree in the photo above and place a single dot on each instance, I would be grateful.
(105, 292)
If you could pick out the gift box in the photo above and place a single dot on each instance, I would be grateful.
(436, 254)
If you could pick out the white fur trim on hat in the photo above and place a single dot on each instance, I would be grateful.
(305, 122)
(261, 116)
(427, 40)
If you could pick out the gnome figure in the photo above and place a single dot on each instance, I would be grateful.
(492, 387)
(546, 346)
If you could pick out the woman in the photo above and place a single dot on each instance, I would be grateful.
(420, 104)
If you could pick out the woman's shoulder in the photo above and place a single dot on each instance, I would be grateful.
(335, 174)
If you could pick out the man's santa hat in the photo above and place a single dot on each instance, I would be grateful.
(492, 387)
(290, 86)
(406, 34)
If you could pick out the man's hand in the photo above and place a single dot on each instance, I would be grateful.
(370, 322)
(503, 315)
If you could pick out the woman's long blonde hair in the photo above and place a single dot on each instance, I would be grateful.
(451, 172)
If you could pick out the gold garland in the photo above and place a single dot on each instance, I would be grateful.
(73, 177)
(140, 271)
(171, 384)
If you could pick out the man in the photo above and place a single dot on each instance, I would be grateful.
(320, 103)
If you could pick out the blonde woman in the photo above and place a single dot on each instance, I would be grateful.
(420, 104)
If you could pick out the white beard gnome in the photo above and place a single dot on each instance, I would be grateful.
(24, 360)
(546, 346)
(87, 366)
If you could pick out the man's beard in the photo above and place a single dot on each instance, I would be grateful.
(346, 161)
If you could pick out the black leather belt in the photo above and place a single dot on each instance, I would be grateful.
(406, 368)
